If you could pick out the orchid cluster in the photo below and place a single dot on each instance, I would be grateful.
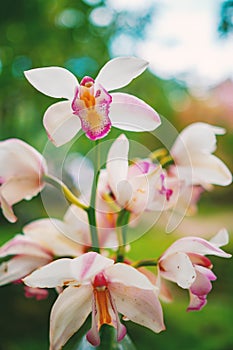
(84, 254)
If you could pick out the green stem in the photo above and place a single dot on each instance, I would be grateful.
(121, 229)
(146, 262)
(67, 193)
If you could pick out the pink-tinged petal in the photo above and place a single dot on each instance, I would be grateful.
(37, 293)
(201, 260)
(88, 265)
(195, 138)
(195, 245)
(19, 267)
(21, 245)
(202, 285)
(179, 269)
(196, 302)
(68, 314)
(128, 275)
(60, 123)
(117, 162)
(120, 71)
(53, 81)
(221, 238)
(128, 112)
(50, 234)
(7, 210)
(56, 274)
(138, 305)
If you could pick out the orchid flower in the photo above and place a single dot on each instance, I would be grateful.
(136, 187)
(192, 153)
(21, 172)
(185, 263)
(94, 283)
(89, 104)
(39, 245)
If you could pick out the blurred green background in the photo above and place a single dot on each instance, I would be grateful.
(68, 33)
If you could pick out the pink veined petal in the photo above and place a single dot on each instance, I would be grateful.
(138, 305)
(128, 112)
(128, 275)
(68, 314)
(178, 268)
(60, 123)
(202, 284)
(196, 302)
(56, 274)
(195, 245)
(120, 71)
(19, 267)
(49, 233)
(88, 265)
(53, 81)
(117, 162)
(7, 209)
(24, 246)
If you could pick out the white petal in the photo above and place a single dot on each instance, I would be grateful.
(68, 314)
(129, 276)
(128, 112)
(178, 268)
(50, 234)
(53, 81)
(7, 210)
(138, 305)
(18, 267)
(55, 274)
(117, 162)
(60, 123)
(221, 238)
(119, 72)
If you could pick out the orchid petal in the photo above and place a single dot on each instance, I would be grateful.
(196, 302)
(120, 71)
(117, 162)
(50, 233)
(128, 112)
(24, 246)
(138, 305)
(68, 314)
(7, 210)
(20, 266)
(195, 245)
(202, 284)
(56, 274)
(53, 81)
(221, 238)
(60, 123)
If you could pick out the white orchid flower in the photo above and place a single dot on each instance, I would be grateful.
(89, 104)
(185, 263)
(192, 153)
(21, 172)
(96, 284)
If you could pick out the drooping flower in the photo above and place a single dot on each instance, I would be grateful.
(39, 245)
(89, 104)
(21, 172)
(185, 263)
(194, 161)
(96, 284)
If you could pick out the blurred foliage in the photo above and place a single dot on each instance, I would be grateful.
(226, 18)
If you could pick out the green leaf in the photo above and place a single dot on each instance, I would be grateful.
(108, 341)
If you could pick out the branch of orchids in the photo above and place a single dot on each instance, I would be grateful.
(121, 229)
(67, 193)
(145, 262)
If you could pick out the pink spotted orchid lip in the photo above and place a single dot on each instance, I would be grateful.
(96, 109)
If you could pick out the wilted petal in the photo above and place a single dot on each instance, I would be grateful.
(119, 72)
(138, 305)
(68, 314)
(53, 81)
(19, 267)
(178, 268)
(60, 123)
(117, 162)
(128, 112)
(56, 274)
